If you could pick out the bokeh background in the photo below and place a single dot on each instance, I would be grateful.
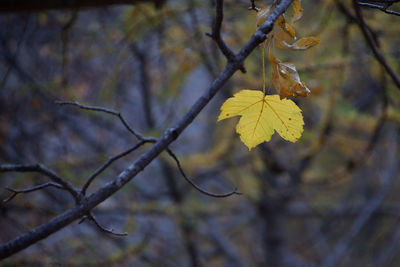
(329, 199)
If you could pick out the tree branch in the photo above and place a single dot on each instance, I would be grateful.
(216, 34)
(102, 228)
(110, 161)
(352, 19)
(105, 110)
(162, 143)
(378, 55)
(382, 8)
(142, 139)
(31, 189)
(43, 170)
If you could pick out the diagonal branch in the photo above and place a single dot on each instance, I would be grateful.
(111, 160)
(198, 188)
(162, 143)
(43, 170)
(380, 7)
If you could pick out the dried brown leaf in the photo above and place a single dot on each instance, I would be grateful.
(299, 45)
(286, 79)
(285, 27)
(297, 12)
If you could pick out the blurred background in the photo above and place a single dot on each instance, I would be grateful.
(330, 199)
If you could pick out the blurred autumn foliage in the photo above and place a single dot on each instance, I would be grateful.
(330, 199)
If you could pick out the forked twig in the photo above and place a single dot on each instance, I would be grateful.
(378, 55)
(216, 35)
(105, 110)
(43, 170)
(112, 159)
(142, 140)
(31, 189)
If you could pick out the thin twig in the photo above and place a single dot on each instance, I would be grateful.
(353, 19)
(142, 139)
(209, 57)
(216, 34)
(105, 110)
(234, 192)
(378, 55)
(111, 160)
(31, 189)
(41, 169)
(253, 6)
(382, 8)
(102, 228)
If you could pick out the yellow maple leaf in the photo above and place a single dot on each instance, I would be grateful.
(262, 115)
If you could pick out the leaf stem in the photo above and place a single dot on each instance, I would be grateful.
(263, 65)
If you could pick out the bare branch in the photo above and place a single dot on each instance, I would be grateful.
(234, 192)
(353, 19)
(142, 139)
(216, 34)
(162, 143)
(41, 169)
(380, 7)
(31, 189)
(111, 160)
(105, 110)
(102, 228)
(378, 55)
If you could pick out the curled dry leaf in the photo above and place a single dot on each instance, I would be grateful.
(261, 115)
(299, 45)
(262, 15)
(297, 12)
(286, 79)
(285, 27)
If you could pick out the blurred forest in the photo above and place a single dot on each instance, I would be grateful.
(330, 199)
